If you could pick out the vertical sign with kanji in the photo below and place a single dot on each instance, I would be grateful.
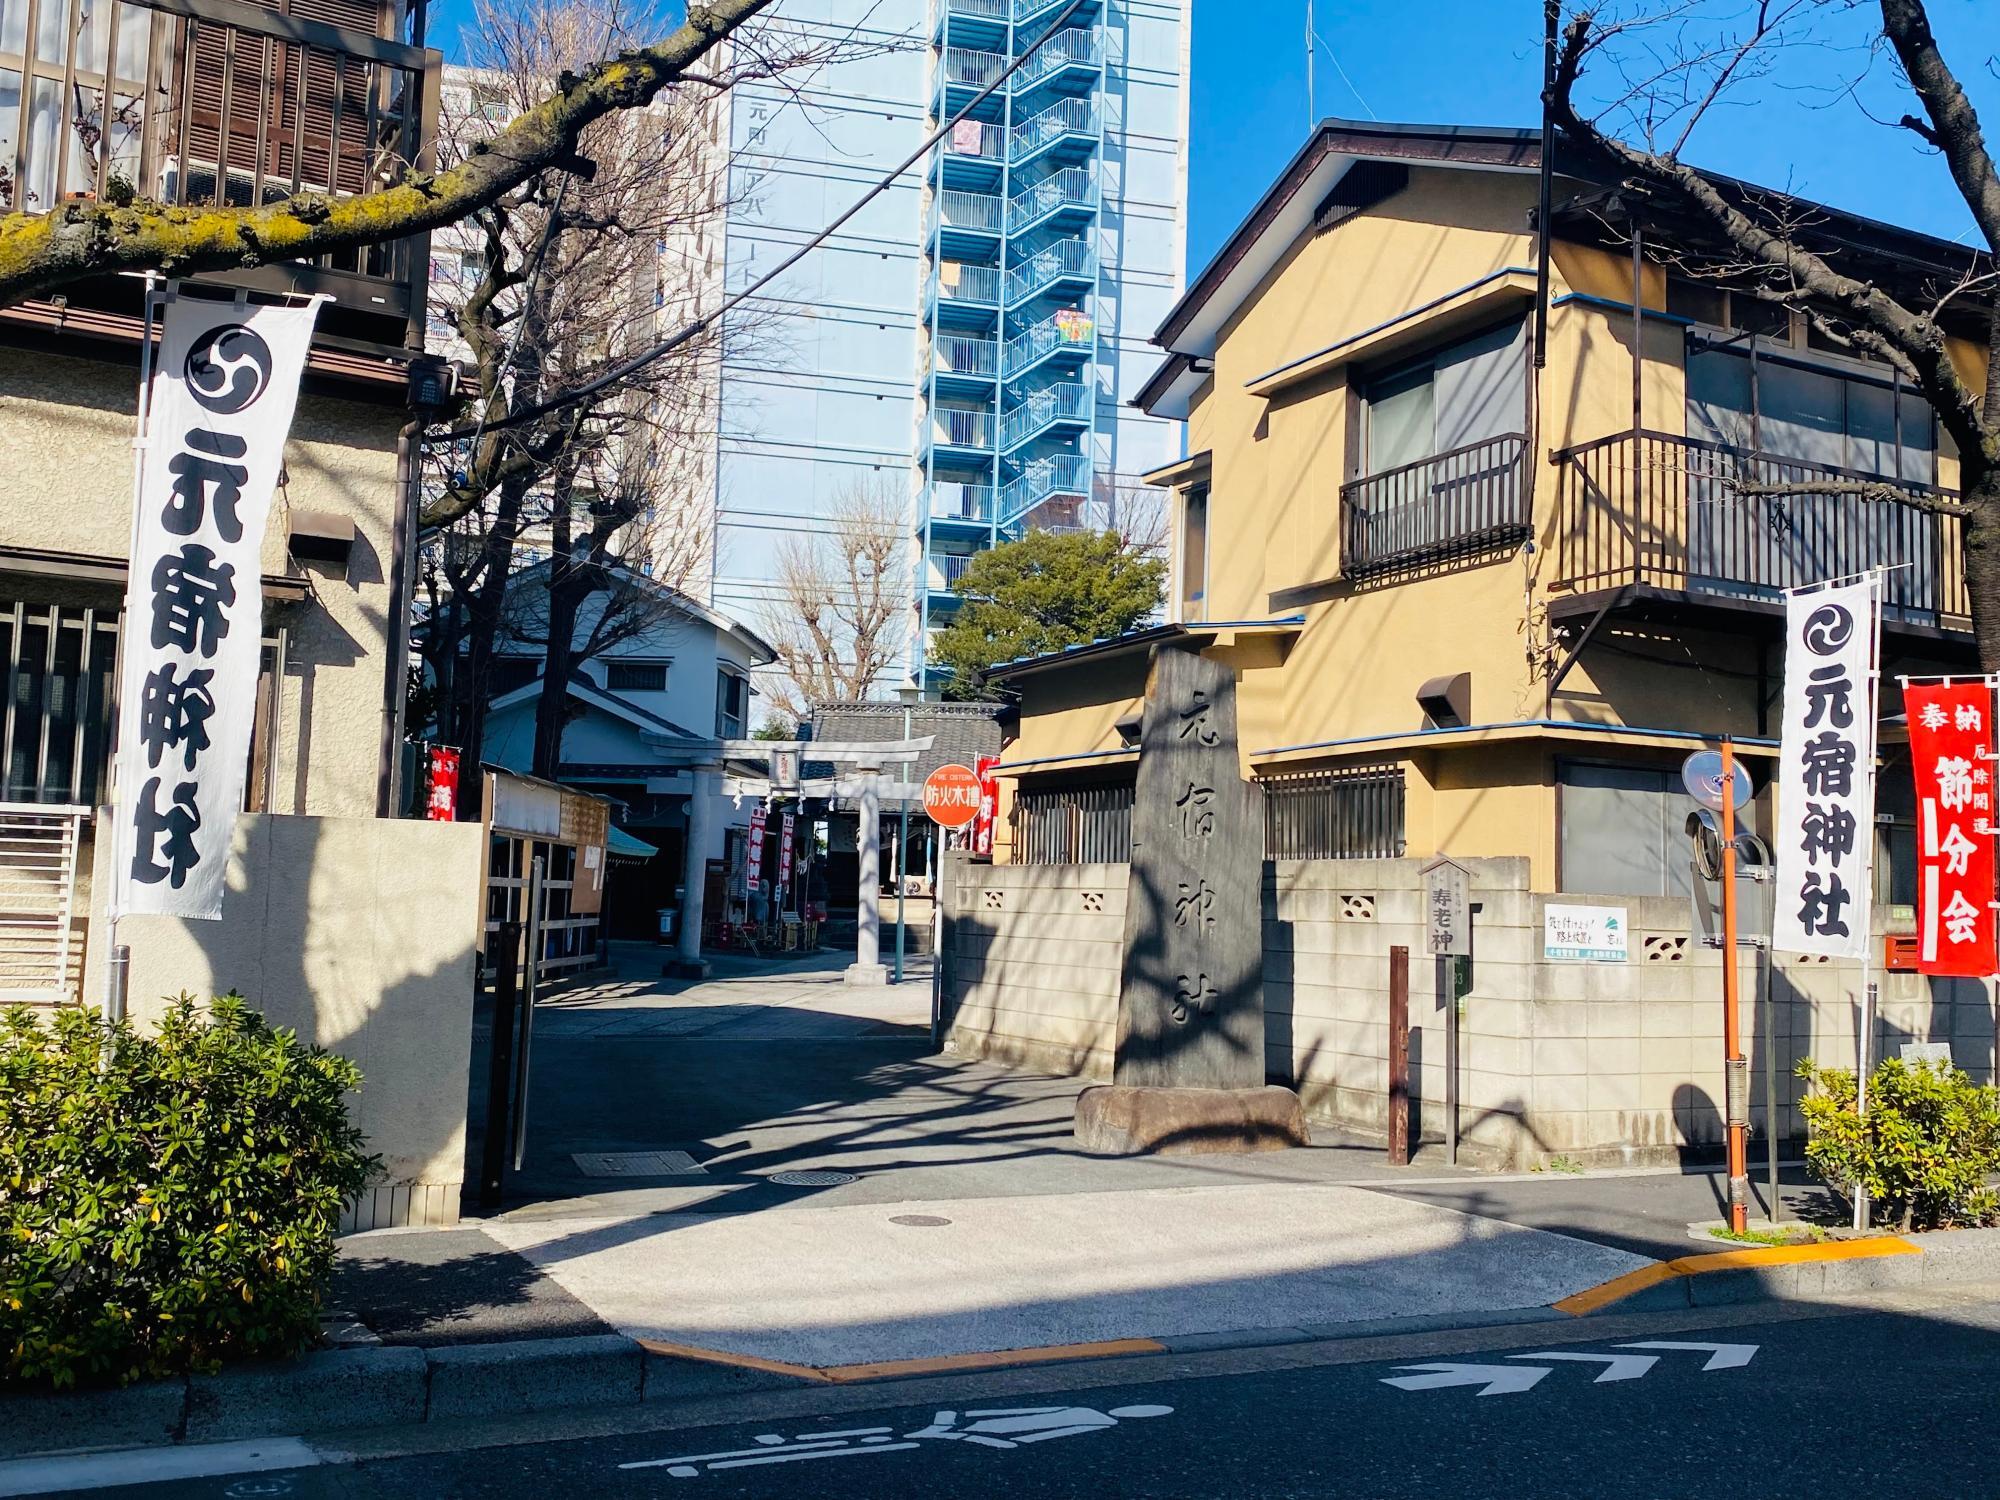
(1826, 775)
(785, 825)
(222, 402)
(753, 871)
(1951, 743)
(442, 804)
(989, 805)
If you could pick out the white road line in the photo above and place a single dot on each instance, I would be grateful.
(97, 1471)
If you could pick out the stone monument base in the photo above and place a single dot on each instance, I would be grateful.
(684, 968)
(1124, 1120)
(866, 976)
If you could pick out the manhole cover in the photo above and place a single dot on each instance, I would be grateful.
(637, 1164)
(919, 1221)
(811, 1179)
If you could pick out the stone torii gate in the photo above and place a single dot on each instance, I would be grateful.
(866, 758)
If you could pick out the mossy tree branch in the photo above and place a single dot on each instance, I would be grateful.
(41, 252)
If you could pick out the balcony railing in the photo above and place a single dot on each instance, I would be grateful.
(1064, 117)
(1065, 258)
(962, 283)
(1075, 46)
(1451, 505)
(955, 427)
(1669, 511)
(209, 103)
(1072, 187)
(955, 356)
(953, 501)
(1067, 328)
(976, 139)
(948, 568)
(976, 211)
(1068, 402)
(964, 67)
(983, 10)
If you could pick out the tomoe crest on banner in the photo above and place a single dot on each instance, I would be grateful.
(222, 401)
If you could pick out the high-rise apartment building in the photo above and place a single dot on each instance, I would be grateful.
(965, 348)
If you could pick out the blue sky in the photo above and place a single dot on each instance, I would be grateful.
(1479, 62)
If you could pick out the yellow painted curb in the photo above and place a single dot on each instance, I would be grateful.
(891, 1369)
(1632, 1282)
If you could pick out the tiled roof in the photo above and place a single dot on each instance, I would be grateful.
(962, 731)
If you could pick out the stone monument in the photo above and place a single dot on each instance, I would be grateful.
(1188, 1073)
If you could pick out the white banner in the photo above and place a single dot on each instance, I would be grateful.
(226, 384)
(1826, 771)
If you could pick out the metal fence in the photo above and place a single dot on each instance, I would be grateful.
(1448, 506)
(1073, 825)
(1355, 812)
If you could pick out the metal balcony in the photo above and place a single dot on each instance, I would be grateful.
(218, 103)
(1067, 265)
(961, 429)
(1066, 406)
(976, 20)
(1068, 193)
(946, 568)
(1070, 331)
(1067, 122)
(949, 500)
(961, 67)
(964, 362)
(1026, 11)
(1452, 505)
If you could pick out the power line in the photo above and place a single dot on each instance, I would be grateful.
(639, 361)
(1334, 58)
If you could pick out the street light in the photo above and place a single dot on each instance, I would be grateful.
(910, 693)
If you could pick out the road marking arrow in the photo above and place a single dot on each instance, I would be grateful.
(1616, 1366)
(1720, 1356)
(1498, 1380)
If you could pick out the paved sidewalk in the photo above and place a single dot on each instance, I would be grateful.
(942, 1207)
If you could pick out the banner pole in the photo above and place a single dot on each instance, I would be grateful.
(1736, 1091)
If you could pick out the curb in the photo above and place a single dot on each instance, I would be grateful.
(382, 1385)
(1786, 1273)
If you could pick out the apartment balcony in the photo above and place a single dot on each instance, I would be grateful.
(942, 570)
(1066, 268)
(979, 24)
(1027, 12)
(1060, 477)
(1064, 199)
(971, 155)
(1055, 411)
(949, 502)
(1437, 510)
(1069, 61)
(219, 103)
(960, 74)
(1067, 334)
(1067, 131)
(963, 298)
(967, 225)
(962, 366)
(1663, 519)
(960, 434)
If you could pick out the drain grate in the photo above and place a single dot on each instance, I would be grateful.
(811, 1179)
(919, 1221)
(637, 1164)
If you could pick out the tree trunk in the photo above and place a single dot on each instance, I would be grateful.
(1981, 540)
(567, 585)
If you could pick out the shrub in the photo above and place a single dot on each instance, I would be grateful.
(167, 1201)
(1925, 1149)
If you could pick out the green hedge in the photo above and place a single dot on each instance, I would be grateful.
(1925, 1150)
(167, 1200)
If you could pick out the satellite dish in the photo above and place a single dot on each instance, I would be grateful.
(1701, 774)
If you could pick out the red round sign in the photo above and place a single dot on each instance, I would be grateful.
(951, 796)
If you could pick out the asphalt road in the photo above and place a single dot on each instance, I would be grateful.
(1894, 1398)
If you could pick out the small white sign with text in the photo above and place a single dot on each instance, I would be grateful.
(1584, 934)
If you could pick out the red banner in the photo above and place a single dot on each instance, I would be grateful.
(753, 874)
(785, 856)
(1951, 739)
(989, 805)
(443, 804)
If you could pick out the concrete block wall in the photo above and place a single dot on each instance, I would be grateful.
(1032, 963)
(1604, 1062)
